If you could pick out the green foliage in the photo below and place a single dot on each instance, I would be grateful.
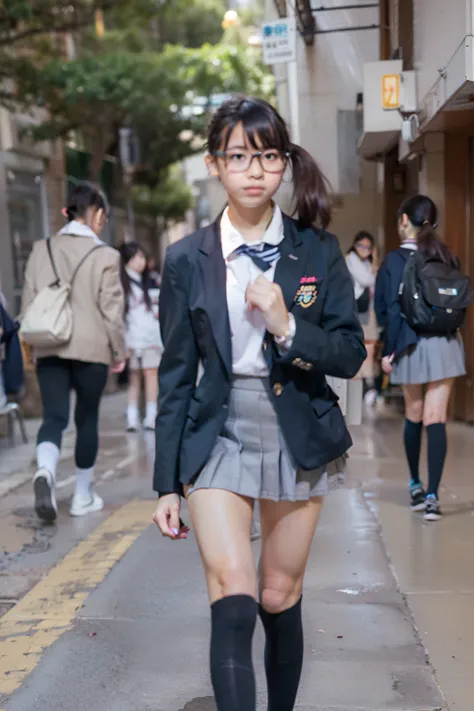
(191, 23)
(170, 199)
(158, 94)
(21, 20)
(155, 69)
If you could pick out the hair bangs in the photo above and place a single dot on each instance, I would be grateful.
(262, 125)
(263, 128)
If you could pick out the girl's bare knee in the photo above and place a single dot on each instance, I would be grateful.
(414, 411)
(232, 580)
(279, 594)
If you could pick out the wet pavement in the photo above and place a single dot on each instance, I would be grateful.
(102, 613)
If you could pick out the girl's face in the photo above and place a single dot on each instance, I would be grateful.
(363, 248)
(247, 183)
(137, 263)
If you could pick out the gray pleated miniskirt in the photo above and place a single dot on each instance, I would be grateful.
(431, 359)
(251, 457)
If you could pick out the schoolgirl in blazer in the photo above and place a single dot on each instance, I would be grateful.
(195, 326)
(255, 311)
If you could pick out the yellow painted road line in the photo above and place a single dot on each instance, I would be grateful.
(49, 609)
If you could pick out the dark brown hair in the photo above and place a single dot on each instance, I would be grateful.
(423, 215)
(83, 196)
(127, 251)
(265, 128)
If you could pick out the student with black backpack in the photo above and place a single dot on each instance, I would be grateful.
(420, 300)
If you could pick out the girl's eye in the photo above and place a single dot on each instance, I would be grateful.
(236, 157)
(271, 156)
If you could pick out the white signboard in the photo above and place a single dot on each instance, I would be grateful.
(279, 41)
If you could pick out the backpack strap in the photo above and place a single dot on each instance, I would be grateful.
(50, 254)
(94, 249)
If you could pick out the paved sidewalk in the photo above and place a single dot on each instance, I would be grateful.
(388, 598)
(140, 640)
(432, 562)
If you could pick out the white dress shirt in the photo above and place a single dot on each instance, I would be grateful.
(247, 327)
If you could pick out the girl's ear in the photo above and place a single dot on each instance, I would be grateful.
(211, 164)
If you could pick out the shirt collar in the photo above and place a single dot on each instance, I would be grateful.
(409, 245)
(232, 239)
(78, 229)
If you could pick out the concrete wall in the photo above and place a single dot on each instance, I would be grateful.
(439, 28)
(330, 75)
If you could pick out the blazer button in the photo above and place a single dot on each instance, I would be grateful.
(277, 389)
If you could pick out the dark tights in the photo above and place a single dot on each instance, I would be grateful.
(233, 679)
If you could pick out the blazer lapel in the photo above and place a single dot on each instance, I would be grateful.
(291, 266)
(213, 272)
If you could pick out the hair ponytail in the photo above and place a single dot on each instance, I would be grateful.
(310, 190)
(423, 215)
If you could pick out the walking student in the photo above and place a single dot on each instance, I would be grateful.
(77, 257)
(143, 338)
(255, 311)
(362, 262)
(423, 362)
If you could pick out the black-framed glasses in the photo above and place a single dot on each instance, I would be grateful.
(239, 161)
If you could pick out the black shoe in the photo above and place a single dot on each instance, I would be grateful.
(432, 509)
(418, 499)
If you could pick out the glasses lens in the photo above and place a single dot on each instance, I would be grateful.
(271, 161)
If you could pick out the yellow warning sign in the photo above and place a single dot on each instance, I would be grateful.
(391, 91)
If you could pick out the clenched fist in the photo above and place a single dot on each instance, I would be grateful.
(268, 297)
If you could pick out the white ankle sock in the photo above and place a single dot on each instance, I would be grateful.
(47, 456)
(84, 479)
(132, 414)
(151, 410)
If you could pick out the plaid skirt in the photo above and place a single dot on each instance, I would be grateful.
(251, 457)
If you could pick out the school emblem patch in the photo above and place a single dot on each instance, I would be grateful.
(306, 295)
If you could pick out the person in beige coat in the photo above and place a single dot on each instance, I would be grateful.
(82, 364)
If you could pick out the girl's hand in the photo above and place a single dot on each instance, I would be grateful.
(268, 297)
(387, 363)
(118, 367)
(167, 519)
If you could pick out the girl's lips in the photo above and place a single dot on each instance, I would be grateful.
(254, 191)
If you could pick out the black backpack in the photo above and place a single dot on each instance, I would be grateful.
(433, 296)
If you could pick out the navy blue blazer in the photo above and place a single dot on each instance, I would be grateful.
(12, 365)
(398, 334)
(195, 328)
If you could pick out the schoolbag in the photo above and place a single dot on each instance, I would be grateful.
(48, 319)
(433, 296)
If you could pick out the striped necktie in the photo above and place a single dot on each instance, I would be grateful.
(264, 257)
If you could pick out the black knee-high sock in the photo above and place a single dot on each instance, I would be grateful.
(233, 623)
(283, 656)
(437, 448)
(412, 440)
